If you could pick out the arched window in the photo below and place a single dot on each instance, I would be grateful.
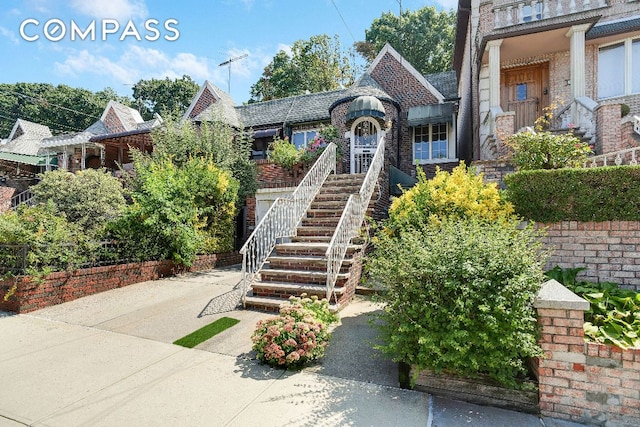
(364, 141)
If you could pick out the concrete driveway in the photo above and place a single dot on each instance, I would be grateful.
(107, 360)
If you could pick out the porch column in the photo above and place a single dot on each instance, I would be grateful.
(493, 47)
(84, 155)
(576, 34)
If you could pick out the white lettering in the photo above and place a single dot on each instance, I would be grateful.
(90, 30)
(54, 30)
(130, 30)
(175, 31)
(109, 26)
(150, 25)
(24, 24)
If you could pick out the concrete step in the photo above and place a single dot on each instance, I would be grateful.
(331, 196)
(324, 213)
(273, 304)
(315, 231)
(285, 290)
(299, 276)
(311, 239)
(309, 248)
(308, 262)
(331, 221)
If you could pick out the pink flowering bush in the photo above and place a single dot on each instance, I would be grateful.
(297, 335)
(316, 146)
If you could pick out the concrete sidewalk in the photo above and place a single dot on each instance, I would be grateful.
(107, 360)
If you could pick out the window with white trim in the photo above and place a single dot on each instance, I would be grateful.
(430, 143)
(302, 138)
(619, 68)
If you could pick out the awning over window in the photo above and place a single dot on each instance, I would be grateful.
(430, 114)
(28, 160)
(365, 106)
(265, 133)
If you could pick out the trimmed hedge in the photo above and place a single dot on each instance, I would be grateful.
(591, 194)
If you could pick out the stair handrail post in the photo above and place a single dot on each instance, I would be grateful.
(283, 217)
(351, 219)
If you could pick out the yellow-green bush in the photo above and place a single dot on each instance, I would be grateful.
(459, 194)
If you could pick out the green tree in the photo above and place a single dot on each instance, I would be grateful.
(62, 108)
(166, 95)
(424, 37)
(230, 150)
(88, 198)
(316, 65)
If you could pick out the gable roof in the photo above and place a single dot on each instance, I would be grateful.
(446, 83)
(211, 102)
(127, 116)
(388, 49)
(25, 138)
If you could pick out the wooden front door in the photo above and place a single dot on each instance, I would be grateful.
(525, 90)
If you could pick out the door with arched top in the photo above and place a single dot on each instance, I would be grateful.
(364, 141)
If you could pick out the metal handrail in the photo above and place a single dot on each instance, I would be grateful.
(636, 124)
(25, 197)
(283, 217)
(351, 219)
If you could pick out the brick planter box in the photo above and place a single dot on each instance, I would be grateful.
(63, 286)
(476, 390)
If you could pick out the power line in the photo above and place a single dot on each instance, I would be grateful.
(49, 123)
(44, 101)
(343, 21)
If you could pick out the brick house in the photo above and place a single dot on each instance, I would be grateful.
(514, 58)
(415, 113)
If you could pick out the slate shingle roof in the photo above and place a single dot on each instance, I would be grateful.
(618, 26)
(28, 141)
(445, 82)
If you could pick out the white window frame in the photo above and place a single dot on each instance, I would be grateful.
(305, 132)
(431, 160)
(628, 62)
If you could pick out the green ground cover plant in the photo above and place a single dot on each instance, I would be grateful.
(298, 335)
(206, 332)
(614, 313)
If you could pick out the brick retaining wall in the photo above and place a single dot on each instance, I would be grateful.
(583, 381)
(609, 250)
(64, 286)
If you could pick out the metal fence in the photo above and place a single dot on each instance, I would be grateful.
(17, 259)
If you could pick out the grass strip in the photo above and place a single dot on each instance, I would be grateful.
(206, 332)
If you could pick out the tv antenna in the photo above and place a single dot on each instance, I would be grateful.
(228, 63)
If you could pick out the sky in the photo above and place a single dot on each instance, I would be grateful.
(95, 44)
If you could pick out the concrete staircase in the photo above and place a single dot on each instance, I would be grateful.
(300, 266)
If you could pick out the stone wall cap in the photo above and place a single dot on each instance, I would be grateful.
(555, 296)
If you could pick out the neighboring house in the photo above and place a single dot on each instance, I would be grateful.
(514, 58)
(415, 113)
(106, 142)
(19, 153)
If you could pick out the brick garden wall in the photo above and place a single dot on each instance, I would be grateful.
(60, 287)
(583, 381)
(609, 250)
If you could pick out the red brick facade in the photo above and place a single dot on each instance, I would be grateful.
(609, 250)
(60, 287)
(205, 100)
(6, 193)
(112, 122)
(609, 130)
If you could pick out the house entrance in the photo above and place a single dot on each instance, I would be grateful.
(525, 90)
(364, 141)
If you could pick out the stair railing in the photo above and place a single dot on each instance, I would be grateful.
(351, 219)
(283, 217)
(26, 197)
(628, 156)
(636, 124)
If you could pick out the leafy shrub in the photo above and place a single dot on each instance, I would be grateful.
(614, 313)
(179, 211)
(52, 242)
(459, 194)
(297, 336)
(590, 194)
(546, 150)
(284, 153)
(88, 198)
(315, 147)
(459, 296)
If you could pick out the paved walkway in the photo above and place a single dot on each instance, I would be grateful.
(107, 360)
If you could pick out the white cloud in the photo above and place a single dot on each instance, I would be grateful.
(134, 64)
(9, 34)
(115, 9)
